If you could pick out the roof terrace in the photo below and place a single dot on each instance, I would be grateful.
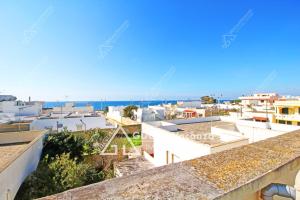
(201, 132)
(239, 173)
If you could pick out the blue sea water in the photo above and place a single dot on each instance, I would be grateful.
(100, 105)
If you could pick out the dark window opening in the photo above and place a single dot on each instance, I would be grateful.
(285, 111)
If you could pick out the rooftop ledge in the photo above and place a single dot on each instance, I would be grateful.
(14, 144)
(224, 175)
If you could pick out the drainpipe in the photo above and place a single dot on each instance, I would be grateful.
(84, 124)
(278, 189)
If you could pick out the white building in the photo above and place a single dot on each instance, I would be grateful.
(166, 142)
(152, 113)
(115, 112)
(70, 107)
(179, 140)
(19, 157)
(20, 108)
(77, 123)
(189, 104)
(259, 101)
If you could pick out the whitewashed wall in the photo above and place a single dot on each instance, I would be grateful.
(185, 148)
(194, 120)
(13, 175)
(72, 124)
(26, 110)
(182, 148)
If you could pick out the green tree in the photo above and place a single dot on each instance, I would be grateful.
(208, 100)
(64, 142)
(68, 173)
(128, 111)
(59, 174)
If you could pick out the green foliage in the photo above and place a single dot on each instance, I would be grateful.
(137, 140)
(208, 100)
(38, 184)
(64, 142)
(92, 139)
(68, 173)
(128, 111)
(63, 165)
(62, 173)
(105, 110)
(236, 101)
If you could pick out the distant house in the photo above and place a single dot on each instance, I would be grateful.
(259, 101)
(8, 104)
(287, 112)
(70, 107)
(70, 123)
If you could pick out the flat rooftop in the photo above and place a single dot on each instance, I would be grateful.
(9, 151)
(13, 144)
(201, 132)
(209, 177)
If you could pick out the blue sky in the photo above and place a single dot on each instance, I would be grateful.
(142, 49)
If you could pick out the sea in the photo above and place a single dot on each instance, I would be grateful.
(101, 105)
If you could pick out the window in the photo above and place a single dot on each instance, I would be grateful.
(299, 110)
(289, 123)
(281, 122)
(285, 111)
(298, 123)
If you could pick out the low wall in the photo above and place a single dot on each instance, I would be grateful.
(13, 175)
(232, 139)
(72, 124)
(194, 120)
(14, 127)
(226, 135)
(165, 125)
(18, 137)
(283, 127)
(182, 148)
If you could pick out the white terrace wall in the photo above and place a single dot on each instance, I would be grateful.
(164, 125)
(72, 124)
(165, 141)
(231, 139)
(194, 120)
(14, 174)
(257, 131)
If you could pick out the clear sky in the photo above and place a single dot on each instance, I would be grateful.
(148, 49)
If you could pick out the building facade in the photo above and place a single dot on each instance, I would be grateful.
(287, 112)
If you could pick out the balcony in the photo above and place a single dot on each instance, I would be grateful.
(291, 117)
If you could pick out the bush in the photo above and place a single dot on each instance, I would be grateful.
(59, 174)
(63, 165)
(64, 142)
(128, 111)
